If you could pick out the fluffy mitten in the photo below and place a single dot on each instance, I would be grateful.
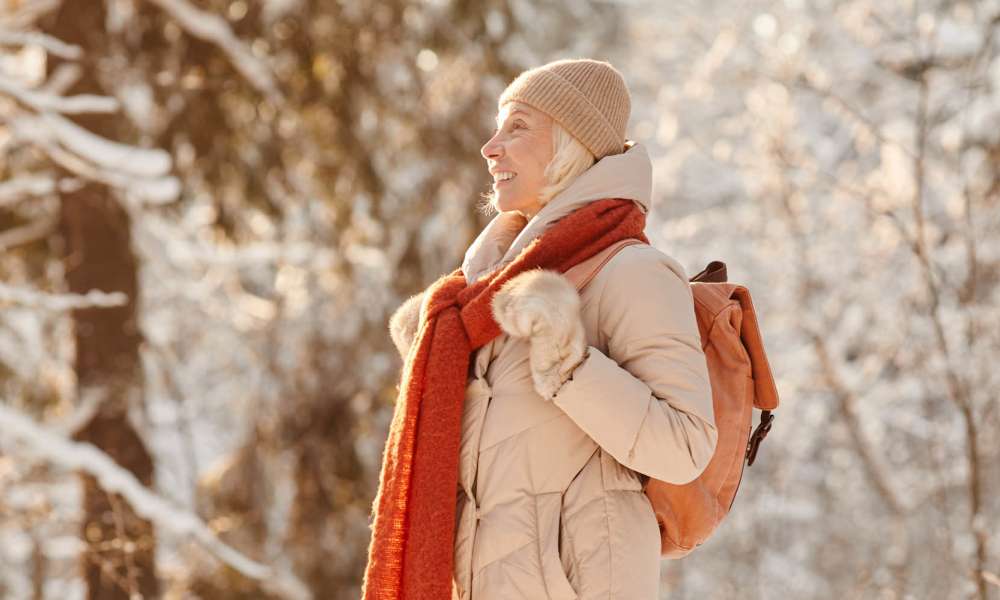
(544, 306)
(404, 322)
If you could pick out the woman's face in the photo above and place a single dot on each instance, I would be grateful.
(522, 146)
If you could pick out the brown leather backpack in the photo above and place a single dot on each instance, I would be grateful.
(741, 380)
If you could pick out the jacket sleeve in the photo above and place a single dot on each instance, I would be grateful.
(648, 402)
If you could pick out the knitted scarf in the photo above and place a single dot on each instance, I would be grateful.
(411, 553)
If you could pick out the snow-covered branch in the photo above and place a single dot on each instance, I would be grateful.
(42, 101)
(85, 457)
(18, 188)
(22, 15)
(24, 234)
(52, 45)
(197, 253)
(60, 302)
(297, 253)
(214, 29)
(130, 160)
(140, 172)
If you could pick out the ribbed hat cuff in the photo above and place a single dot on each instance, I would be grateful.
(560, 99)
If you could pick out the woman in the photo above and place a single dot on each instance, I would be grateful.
(569, 399)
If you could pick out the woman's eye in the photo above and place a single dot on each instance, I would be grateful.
(514, 125)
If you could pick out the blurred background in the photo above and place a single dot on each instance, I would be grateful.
(210, 208)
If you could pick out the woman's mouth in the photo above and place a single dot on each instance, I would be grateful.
(501, 182)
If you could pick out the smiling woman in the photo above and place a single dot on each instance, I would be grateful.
(532, 158)
(546, 402)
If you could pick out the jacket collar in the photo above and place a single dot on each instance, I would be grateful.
(625, 175)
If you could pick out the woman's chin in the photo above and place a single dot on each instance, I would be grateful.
(508, 205)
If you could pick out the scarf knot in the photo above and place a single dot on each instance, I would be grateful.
(453, 292)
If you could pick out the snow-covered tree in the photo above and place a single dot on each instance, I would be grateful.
(844, 159)
(209, 209)
(273, 178)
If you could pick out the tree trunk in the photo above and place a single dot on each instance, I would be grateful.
(118, 561)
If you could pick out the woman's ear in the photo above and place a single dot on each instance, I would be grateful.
(404, 322)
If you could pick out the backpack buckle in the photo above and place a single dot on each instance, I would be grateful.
(758, 435)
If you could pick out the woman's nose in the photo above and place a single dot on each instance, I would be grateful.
(491, 149)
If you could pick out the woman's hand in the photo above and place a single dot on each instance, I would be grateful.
(544, 306)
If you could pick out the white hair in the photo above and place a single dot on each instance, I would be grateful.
(570, 158)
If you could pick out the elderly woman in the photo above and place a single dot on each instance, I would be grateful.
(531, 413)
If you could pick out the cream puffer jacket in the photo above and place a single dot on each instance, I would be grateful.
(550, 500)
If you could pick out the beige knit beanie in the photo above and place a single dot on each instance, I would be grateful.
(587, 97)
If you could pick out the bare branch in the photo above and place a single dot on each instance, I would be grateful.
(878, 471)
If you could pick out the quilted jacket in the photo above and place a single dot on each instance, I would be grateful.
(550, 500)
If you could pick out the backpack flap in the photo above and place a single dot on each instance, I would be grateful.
(765, 392)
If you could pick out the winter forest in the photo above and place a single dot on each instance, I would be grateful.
(210, 208)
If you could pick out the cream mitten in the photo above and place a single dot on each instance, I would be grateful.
(544, 306)
(404, 322)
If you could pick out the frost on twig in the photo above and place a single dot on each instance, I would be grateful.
(85, 457)
(60, 302)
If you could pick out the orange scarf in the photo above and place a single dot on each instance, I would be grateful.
(411, 553)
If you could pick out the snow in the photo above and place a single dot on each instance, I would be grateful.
(85, 457)
(782, 144)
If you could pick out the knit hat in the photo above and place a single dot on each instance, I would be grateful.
(587, 97)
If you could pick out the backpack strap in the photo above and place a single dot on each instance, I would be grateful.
(582, 272)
